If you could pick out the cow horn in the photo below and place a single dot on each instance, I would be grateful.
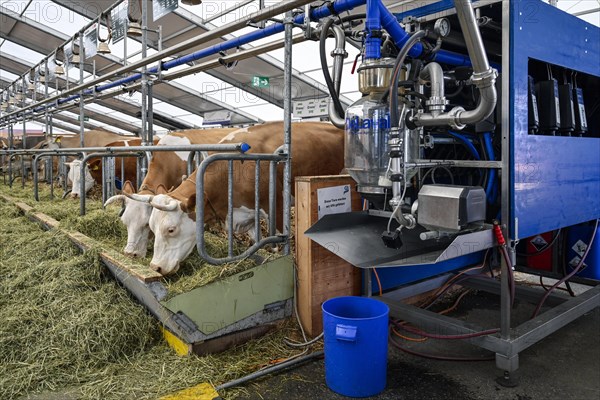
(114, 199)
(170, 206)
(144, 198)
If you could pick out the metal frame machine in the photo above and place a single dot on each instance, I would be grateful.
(476, 129)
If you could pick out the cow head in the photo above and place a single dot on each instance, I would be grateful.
(51, 143)
(74, 176)
(136, 216)
(174, 232)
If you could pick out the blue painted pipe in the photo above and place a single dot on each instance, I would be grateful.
(388, 21)
(491, 189)
(373, 24)
(467, 143)
(318, 13)
(399, 35)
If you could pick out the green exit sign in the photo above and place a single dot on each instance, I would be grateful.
(260, 81)
(85, 118)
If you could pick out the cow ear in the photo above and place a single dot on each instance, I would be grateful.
(128, 188)
(189, 205)
(161, 189)
(57, 139)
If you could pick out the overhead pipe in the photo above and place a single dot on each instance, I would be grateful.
(265, 13)
(483, 77)
(388, 22)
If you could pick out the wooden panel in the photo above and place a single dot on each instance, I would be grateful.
(321, 274)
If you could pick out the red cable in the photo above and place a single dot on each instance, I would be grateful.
(419, 332)
(436, 357)
(570, 275)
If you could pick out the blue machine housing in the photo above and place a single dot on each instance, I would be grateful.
(555, 179)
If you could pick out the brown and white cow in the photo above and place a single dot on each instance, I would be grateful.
(92, 138)
(93, 170)
(317, 149)
(165, 171)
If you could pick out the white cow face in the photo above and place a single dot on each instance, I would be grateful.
(74, 176)
(135, 215)
(174, 234)
(136, 218)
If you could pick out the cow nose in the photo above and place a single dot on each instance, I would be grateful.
(156, 268)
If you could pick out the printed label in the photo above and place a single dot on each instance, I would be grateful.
(582, 116)
(334, 200)
(539, 242)
(535, 108)
(579, 247)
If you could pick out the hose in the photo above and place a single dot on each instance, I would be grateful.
(544, 249)
(436, 357)
(490, 190)
(570, 275)
(266, 371)
(330, 86)
(461, 336)
(393, 90)
(509, 265)
(466, 142)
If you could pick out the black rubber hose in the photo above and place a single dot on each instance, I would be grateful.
(393, 89)
(354, 17)
(334, 95)
(275, 368)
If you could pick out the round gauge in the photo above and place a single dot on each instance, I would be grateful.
(442, 27)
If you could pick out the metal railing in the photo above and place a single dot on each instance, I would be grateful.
(202, 199)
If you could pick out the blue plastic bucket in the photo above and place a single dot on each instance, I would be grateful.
(356, 342)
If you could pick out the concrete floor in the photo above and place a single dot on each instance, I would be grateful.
(565, 365)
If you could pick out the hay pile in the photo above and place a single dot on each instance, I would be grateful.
(67, 327)
(105, 227)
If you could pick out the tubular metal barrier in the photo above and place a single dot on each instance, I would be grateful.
(201, 198)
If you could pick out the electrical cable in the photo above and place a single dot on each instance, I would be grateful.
(563, 249)
(456, 303)
(293, 343)
(410, 339)
(570, 275)
(378, 281)
(393, 89)
(452, 281)
(545, 287)
(544, 249)
(456, 282)
(437, 357)
(330, 86)
(460, 336)
(497, 231)
(304, 344)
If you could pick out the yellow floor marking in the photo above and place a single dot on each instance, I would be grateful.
(203, 391)
(180, 347)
